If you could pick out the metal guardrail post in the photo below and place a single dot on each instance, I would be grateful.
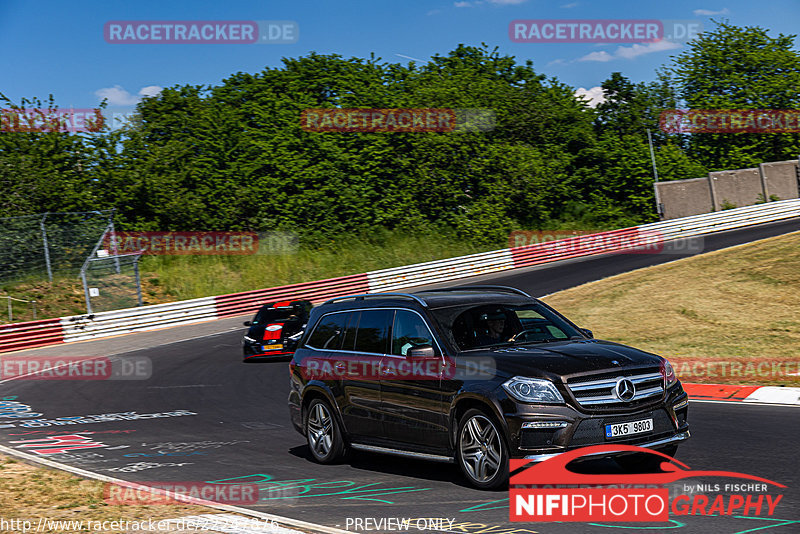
(138, 280)
(86, 292)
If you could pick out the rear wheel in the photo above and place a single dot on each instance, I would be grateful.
(481, 451)
(323, 433)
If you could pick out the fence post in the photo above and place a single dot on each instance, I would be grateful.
(113, 240)
(86, 291)
(10, 313)
(138, 280)
(46, 248)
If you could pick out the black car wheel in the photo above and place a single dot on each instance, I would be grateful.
(324, 437)
(481, 450)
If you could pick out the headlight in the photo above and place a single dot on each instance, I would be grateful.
(669, 374)
(533, 390)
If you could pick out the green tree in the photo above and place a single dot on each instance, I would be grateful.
(731, 67)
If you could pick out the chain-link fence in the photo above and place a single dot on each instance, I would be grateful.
(48, 244)
(110, 280)
(112, 283)
(14, 309)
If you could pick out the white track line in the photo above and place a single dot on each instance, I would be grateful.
(312, 527)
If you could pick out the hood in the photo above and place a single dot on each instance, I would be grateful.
(562, 358)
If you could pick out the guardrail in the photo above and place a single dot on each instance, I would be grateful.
(17, 336)
(129, 320)
(82, 327)
(318, 291)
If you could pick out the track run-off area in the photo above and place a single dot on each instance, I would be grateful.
(205, 416)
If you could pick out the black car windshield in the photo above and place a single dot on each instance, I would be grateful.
(272, 315)
(474, 327)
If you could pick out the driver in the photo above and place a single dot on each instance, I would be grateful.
(495, 325)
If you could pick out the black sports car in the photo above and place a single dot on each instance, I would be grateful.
(275, 329)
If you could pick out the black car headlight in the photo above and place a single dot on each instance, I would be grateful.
(669, 374)
(535, 390)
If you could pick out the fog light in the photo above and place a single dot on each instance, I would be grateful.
(683, 404)
(545, 424)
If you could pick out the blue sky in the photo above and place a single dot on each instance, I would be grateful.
(58, 47)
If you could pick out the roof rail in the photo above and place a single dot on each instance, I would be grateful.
(479, 288)
(377, 295)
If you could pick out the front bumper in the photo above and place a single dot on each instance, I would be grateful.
(537, 434)
(664, 442)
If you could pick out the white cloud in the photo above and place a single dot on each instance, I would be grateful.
(569, 6)
(597, 56)
(630, 52)
(117, 96)
(594, 95)
(708, 12)
(507, 2)
(462, 4)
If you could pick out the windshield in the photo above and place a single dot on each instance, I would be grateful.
(474, 327)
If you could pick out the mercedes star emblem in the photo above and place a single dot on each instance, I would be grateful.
(625, 389)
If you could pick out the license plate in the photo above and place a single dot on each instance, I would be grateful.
(272, 347)
(620, 430)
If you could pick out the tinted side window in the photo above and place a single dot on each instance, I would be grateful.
(372, 334)
(350, 332)
(409, 331)
(329, 330)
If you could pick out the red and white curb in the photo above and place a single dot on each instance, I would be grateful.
(746, 394)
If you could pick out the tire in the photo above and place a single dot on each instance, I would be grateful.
(323, 433)
(481, 450)
(646, 462)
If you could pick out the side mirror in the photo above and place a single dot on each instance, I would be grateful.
(588, 333)
(247, 323)
(421, 352)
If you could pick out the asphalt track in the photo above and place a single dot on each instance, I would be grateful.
(241, 433)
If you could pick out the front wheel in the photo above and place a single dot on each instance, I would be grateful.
(481, 450)
(323, 434)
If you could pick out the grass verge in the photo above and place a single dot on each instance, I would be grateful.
(729, 316)
(171, 278)
(30, 493)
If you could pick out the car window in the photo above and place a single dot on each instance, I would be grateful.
(409, 331)
(495, 325)
(372, 334)
(350, 332)
(329, 330)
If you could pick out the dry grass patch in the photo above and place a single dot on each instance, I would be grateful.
(734, 306)
(29, 493)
